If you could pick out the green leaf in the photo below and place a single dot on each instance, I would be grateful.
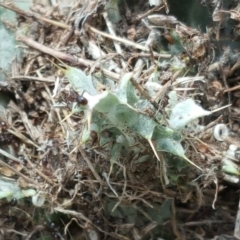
(126, 92)
(107, 102)
(85, 135)
(230, 167)
(113, 11)
(116, 152)
(170, 145)
(80, 82)
(184, 112)
(11, 190)
(8, 47)
(161, 212)
(113, 111)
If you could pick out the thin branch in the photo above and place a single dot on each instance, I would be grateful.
(27, 78)
(96, 175)
(18, 173)
(124, 41)
(63, 56)
(57, 54)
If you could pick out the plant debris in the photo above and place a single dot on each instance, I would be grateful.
(123, 123)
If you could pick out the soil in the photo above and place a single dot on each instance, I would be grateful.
(107, 174)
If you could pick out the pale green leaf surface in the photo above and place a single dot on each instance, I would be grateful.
(115, 152)
(5, 194)
(170, 145)
(173, 99)
(127, 117)
(28, 192)
(8, 48)
(11, 190)
(142, 105)
(113, 11)
(116, 112)
(85, 135)
(229, 166)
(126, 92)
(123, 115)
(230, 169)
(184, 112)
(80, 82)
(107, 103)
(144, 126)
(164, 132)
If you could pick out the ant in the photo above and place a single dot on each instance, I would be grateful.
(76, 97)
(81, 100)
